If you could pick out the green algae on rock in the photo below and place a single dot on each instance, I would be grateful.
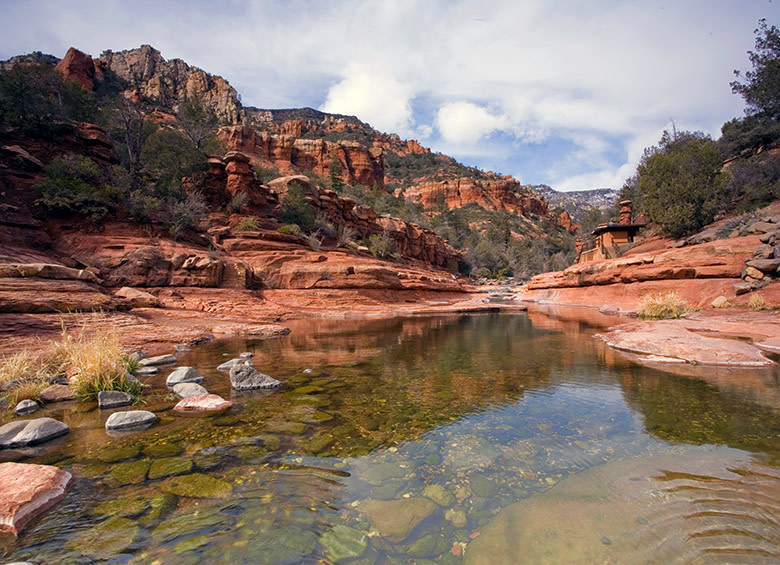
(106, 540)
(128, 473)
(169, 466)
(197, 485)
(342, 542)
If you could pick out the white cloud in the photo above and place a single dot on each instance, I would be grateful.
(538, 71)
(374, 97)
(467, 123)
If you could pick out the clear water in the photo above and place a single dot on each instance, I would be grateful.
(495, 417)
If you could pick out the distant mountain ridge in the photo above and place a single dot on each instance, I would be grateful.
(578, 202)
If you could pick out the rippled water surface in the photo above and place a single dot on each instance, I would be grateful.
(481, 439)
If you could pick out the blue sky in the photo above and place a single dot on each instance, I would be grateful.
(558, 92)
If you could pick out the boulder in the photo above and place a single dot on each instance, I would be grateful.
(130, 420)
(720, 302)
(203, 403)
(764, 265)
(27, 406)
(27, 490)
(246, 377)
(158, 360)
(183, 375)
(139, 298)
(185, 390)
(113, 399)
(31, 432)
(227, 365)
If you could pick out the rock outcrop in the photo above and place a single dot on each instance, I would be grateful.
(80, 67)
(290, 153)
(499, 193)
(169, 83)
(708, 269)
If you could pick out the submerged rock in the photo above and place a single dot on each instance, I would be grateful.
(342, 542)
(31, 432)
(146, 371)
(197, 485)
(169, 467)
(106, 540)
(183, 375)
(246, 377)
(27, 490)
(129, 473)
(395, 519)
(131, 420)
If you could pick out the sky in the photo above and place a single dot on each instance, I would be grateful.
(559, 92)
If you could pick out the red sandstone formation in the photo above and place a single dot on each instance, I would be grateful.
(501, 193)
(290, 153)
(80, 67)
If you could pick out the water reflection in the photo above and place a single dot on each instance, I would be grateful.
(441, 421)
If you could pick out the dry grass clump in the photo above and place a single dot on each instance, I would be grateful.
(663, 306)
(757, 302)
(92, 361)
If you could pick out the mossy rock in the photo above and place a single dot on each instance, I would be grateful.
(316, 445)
(129, 473)
(270, 441)
(191, 544)
(197, 485)
(342, 542)
(158, 450)
(430, 546)
(116, 454)
(439, 495)
(310, 417)
(91, 470)
(310, 389)
(457, 516)
(294, 428)
(169, 467)
(160, 507)
(313, 400)
(106, 540)
(433, 459)
(249, 453)
(124, 507)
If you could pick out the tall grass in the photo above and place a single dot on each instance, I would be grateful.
(663, 306)
(92, 361)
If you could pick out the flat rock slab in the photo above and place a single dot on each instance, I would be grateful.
(183, 375)
(146, 371)
(27, 490)
(130, 420)
(185, 390)
(669, 339)
(771, 345)
(203, 403)
(31, 432)
(113, 399)
(227, 365)
(58, 393)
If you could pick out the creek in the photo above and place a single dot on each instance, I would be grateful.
(439, 439)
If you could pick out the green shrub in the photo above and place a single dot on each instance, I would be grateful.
(237, 201)
(72, 186)
(296, 209)
(291, 229)
(247, 223)
(381, 246)
(185, 214)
